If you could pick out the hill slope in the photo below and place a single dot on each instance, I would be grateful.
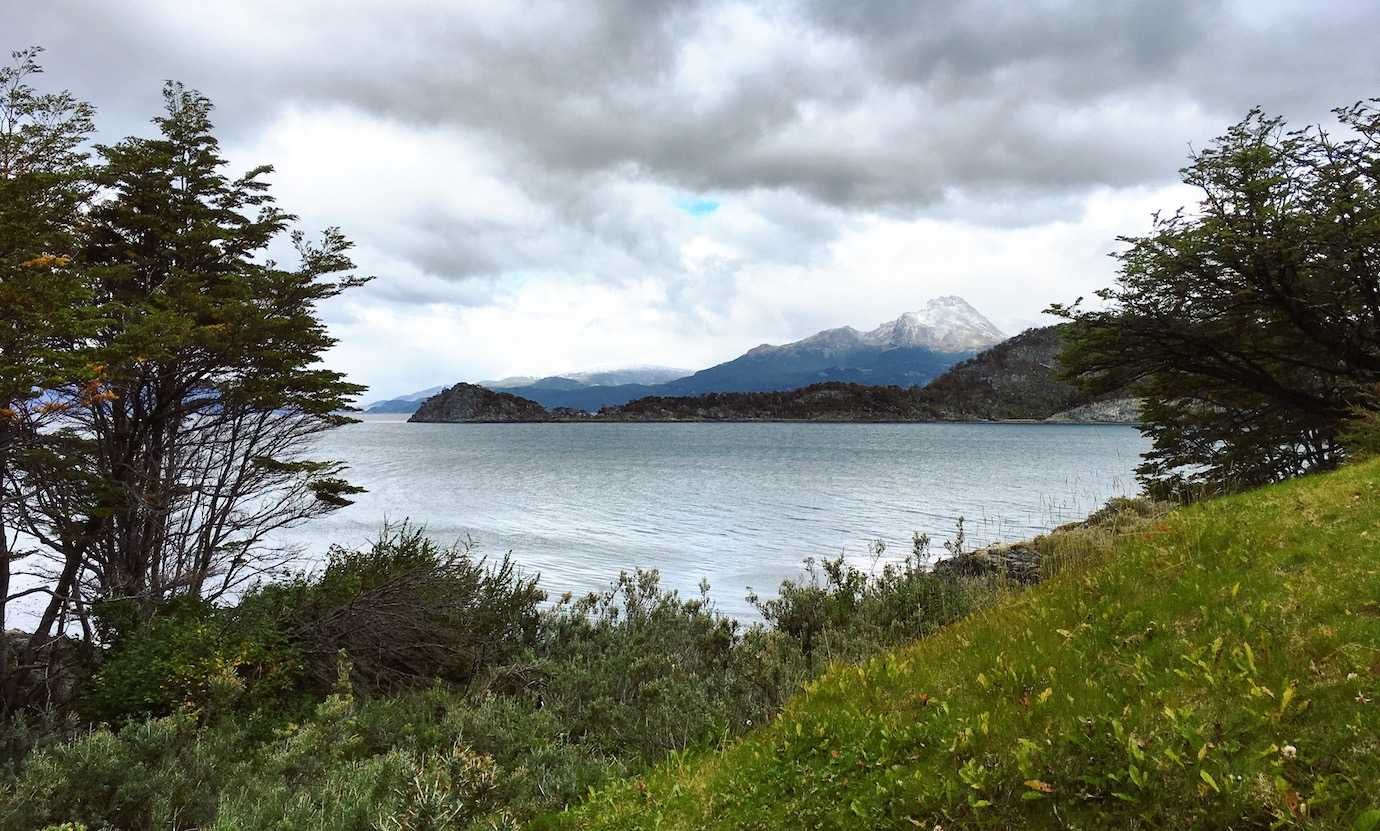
(1219, 670)
(1016, 379)
(833, 401)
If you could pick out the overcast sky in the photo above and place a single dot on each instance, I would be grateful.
(562, 186)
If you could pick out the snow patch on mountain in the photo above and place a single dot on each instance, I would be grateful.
(946, 324)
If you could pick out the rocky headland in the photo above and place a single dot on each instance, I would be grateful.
(473, 403)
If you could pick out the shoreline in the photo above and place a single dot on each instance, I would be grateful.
(595, 420)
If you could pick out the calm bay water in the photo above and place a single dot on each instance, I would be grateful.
(737, 504)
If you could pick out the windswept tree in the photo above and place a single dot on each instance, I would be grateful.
(179, 430)
(1250, 326)
(44, 308)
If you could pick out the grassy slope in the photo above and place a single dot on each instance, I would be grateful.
(1221, 669)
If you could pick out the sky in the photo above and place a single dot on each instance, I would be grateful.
(563, 186)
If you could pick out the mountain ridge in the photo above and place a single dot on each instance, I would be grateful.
(1017, 380)
(907, 351)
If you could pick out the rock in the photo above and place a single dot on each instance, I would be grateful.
(473, 403)
(1018, 561)
(1109, 411)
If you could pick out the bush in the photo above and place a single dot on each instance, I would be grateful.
(839, 612)
(408, 612)
(191, 654)
(636, 671)
(1361, 434)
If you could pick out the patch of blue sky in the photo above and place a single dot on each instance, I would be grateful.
(697, 205)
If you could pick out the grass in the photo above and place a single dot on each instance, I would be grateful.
(1218, 668)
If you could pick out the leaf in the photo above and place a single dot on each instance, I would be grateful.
(1211, 783)
(1044, 696)
(1286, 697)
(1367, 821)
(1037, 785)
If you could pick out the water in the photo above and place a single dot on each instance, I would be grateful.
(737, 504)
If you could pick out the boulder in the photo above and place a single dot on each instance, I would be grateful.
(1018, 561)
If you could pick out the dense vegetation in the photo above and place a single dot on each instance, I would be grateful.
(1019, 378)
(414, 686)
(1250, 327)
(1217, 669)
(833, 401)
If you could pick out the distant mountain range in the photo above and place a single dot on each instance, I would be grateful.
(576, 380)
(1018, 379)
(531, 385)
(907, 352)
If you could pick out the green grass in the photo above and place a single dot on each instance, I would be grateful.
(1219, 668)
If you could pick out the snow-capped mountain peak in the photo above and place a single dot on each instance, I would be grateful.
(947, 324)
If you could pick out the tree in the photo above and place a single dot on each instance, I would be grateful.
(1251, 326)
(183, 444)
(43, 188)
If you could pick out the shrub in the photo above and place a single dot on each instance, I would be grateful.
(410, 686)
(191, 654)
(636, 671)
(1361, 433)
(408, 612)
(845, 613)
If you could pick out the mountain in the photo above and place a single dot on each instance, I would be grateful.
(518, 384)
(403, 403)
(946, 324)
(1018, 379)
(908, 351)
(603, 378)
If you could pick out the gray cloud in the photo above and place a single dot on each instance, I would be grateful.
(944, 96)
(492, 140)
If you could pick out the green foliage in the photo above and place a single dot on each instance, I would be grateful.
(407, 611)
(1250, 326)
(839, 612)
(1361, 432)
(44, 308)
(192, 655)
(557, 702)
(1211, 668)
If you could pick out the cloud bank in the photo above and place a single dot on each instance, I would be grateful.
(554, 186)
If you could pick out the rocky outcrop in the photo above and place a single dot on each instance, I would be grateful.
(473, 403)
(1109, 411)
(1017, 561)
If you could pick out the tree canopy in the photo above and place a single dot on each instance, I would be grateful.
(1250, 325)
(161, 372)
